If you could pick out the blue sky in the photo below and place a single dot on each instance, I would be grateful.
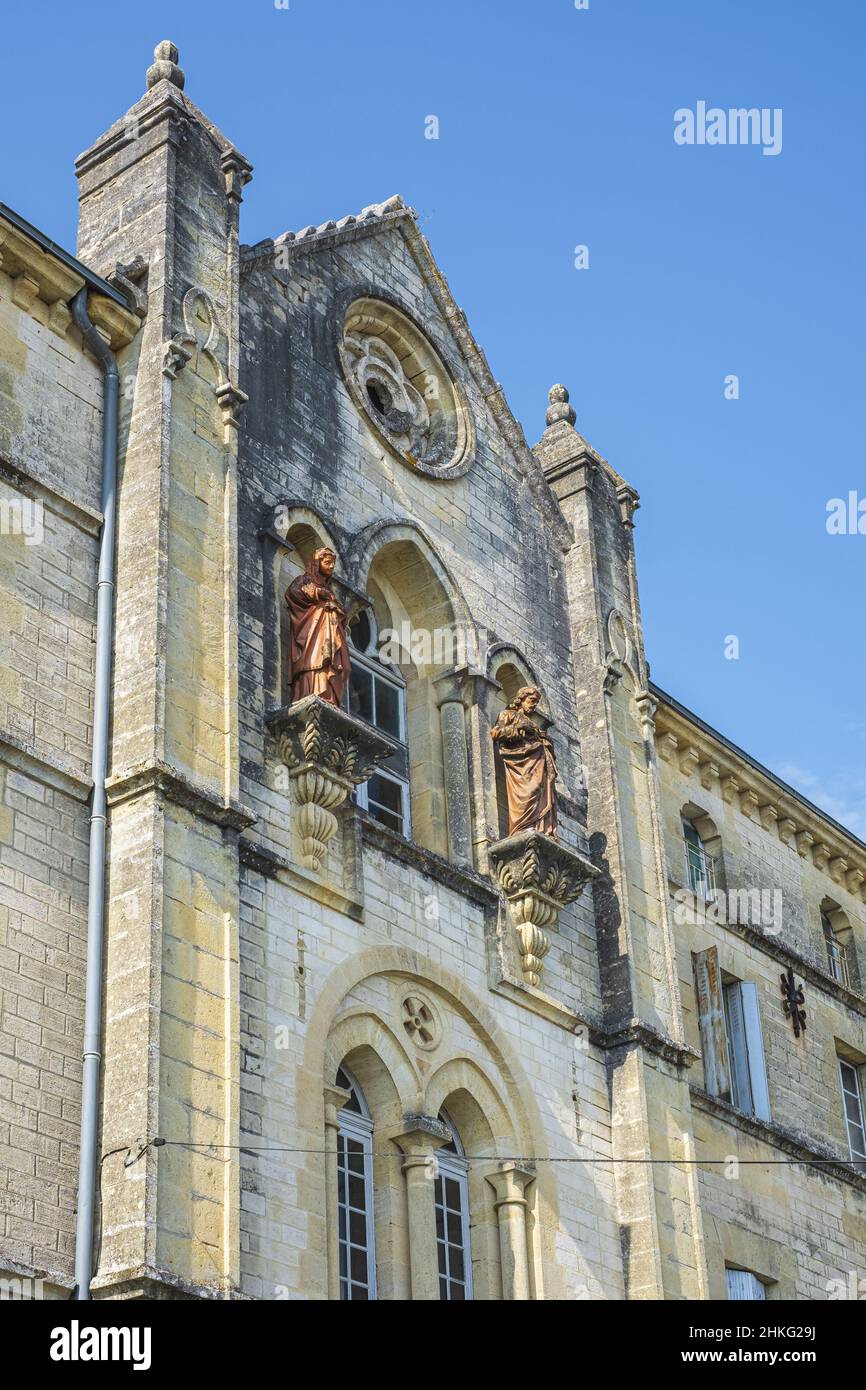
(556, 129)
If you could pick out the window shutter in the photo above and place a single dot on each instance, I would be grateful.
(755, 1048)
(741, 1081)
(742, 1284)
(711, 1018)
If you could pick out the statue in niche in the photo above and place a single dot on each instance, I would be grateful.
(318, 648)
(530, 766)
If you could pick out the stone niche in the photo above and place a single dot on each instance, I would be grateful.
(401, 385)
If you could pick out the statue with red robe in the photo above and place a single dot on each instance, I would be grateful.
(318, 647)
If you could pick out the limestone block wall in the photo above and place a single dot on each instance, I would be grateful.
(807, 1225)
(50, 432)
(307, 972)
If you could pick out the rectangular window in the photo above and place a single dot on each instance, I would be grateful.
(852, 1080)
(354, 1214)
(731, 1042)
(742, 1284)
(700, 866)
(381, 701)
(837, 954)
(451, 1201)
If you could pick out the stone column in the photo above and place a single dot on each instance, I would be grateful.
(419, 1142)
(510, 1182)
(450, 696)
(335, 1099)
(480, 689)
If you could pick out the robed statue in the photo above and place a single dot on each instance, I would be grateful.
(318, 646)
(529, 763)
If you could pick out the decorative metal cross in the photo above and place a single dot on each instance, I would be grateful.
(794, 999)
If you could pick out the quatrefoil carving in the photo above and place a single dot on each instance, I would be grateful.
(420, 1022)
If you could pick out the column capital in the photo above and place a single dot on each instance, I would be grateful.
(419, 1138)
(510, 1181)
(465, 685)
(335, 1098)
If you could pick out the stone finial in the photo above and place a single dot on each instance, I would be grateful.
(165, 66)
(559, 408)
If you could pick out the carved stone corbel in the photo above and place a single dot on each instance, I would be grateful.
(538, 877)
(327, 753)
(231, 400)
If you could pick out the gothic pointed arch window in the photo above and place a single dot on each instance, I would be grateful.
(451, 1199)
(355, 1194)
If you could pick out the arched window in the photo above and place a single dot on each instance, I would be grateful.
(451, 1198)
(377, 694)
(700, 865)
(355, 1194)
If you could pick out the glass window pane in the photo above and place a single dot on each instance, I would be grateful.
(388, 708)
(385, 802)
(361, 632)
(361, 693)
(358, 1227)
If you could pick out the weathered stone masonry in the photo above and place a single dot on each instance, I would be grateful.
(245, 980)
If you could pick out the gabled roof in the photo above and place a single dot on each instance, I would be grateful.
(374, 220)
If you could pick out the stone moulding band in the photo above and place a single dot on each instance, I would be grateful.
(174, 786)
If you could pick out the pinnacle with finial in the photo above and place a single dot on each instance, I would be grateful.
(559, 408)
(165, 68)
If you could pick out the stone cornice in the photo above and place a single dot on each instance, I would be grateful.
(635, 1033)
(150, 1282)
(706, 757)
(175, 786)
(50, 771)
(805, 1150)
(39, 276)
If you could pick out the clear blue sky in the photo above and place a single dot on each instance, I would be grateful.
(556, 128)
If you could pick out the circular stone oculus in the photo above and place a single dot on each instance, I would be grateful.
(400, 383)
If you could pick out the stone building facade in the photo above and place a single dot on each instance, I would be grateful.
(357, 1041)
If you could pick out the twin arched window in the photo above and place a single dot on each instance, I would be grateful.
(356, 1234)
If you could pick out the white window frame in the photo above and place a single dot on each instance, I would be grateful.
(852, 1080)
(744, 1285)
(456, 1167)
(748, 1068)
(351, 1125)
(378, 673)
